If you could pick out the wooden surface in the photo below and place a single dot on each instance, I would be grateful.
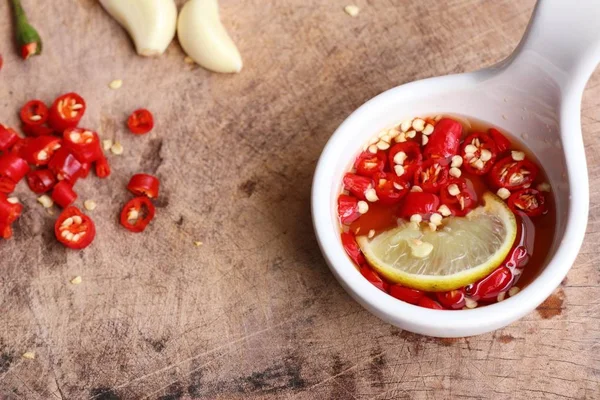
(254, 312)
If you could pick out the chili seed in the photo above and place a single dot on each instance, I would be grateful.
(428, 130)
(424, 140)
(401, 138)
(444, 210)
(45, 201)
(399, 170)
(373, 140)
(470, 148)
(517, 155)
(35, 117)
(478, 163)
(371, 234)
(501, 296)
(486, 155)
(116, 148)
(456, 161)
(416, 218)
(416, 188)
(418, 124)
(29, 355)
(42, 155)
(397, 186)
(432, 226)
(437, 118)
(73, 114)
(69, 236)
(371, 195)
(453, 190)
(436, 219)
(373, 149)
(513, 291)
(543, 187)
(89, 205)
(455, 172)
(381, 145)
(400, 157)
(352, 10)
(107, 144)
(76, 281)
(405, 126)
(13, 200)
(76, 106)
(503, 193)
(116, 84)
(420, 249)
(188, 60)
(386, 138)
(197, 243)
(411, 134)
(363, 207)
(470, 303)
(77, 219)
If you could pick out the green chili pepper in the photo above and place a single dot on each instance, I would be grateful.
(28, 39)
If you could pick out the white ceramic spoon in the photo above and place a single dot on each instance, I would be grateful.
(534, 94)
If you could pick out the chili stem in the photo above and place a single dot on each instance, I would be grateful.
(28, 39)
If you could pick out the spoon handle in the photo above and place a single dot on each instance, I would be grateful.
(563, 37)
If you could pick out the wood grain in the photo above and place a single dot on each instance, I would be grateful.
(254, 312)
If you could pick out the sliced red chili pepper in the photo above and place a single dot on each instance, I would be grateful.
(518, 257)
(39, 151)
(66, 111)
(41, 180)
(140, 121)
(74, 229)
(428, 303)
(390, 188)
(368, 164)
(13, 167)
(420, 203)
(502, 143)
(432, 175)
(513, 175)
(460, 199)
(34, 113)
(7, 185)
(37, 130)
(348, 209)
(374, 278)
(102, 167)
(9, 212)
(137, 214)
(83, 143)
(85, 169)
(479, 153)
(144, 185)
(454, 299)
(357, 185)
(492, 285)
(410, 160)
(8, 137)
(527, 201)
(351, 247)
(444, 140)
(65, 166)
(5, 231)
(412, 296)
(19, 145)
(63, 194)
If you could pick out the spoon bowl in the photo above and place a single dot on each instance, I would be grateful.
(535, 94)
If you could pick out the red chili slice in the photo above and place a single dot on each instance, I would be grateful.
(37, 130)
(428, 303)
(444, 140)
(412, 296)
(357, 185)
(13, 167)
(420, 203)
(65, 166)
(83, 143)
(502, 143)
(432, 175)
(7, 185)
(74, 229)
(34, 113)
(492, 285)
(63, 194)
(41, 180)
(39, 151)
(137, 214)
(527, 201)
(8, 137)
(479, 153)
(513, 175)
(390, 188)
(459, 204)
(66, 111)
(144, 185)
(518, 257)
(102, 167)
(352, 249)
(19, 145)
(348, 209)
(9, 212)
(140, 121)
(5, 231)
(454, 299)
(412, 158)
(368, 164)
(374, 278)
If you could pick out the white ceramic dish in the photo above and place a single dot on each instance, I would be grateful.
(534, 94)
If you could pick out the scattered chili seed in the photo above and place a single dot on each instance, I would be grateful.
(116, 84)
(517, 155)
(29, 355)
(76, 281)
(503, 193)
(197, 243)
(45, 201)
(352, 10)
(89, 205)
(116, 148)
(107, 144)
(189, 60)
(543, 187)
(513, 291)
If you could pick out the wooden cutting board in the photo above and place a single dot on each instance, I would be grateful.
(254, 312)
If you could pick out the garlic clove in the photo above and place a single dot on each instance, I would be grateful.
(150, 23)
(204, 38)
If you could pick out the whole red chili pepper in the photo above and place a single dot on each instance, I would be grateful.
(367, 164)
(454, 299)
(444, 140)
(65, 166)
(529, 202)
(412, 296)
(351, 247)
(83, 143)
(492, 285)
(348, 209)
(420, 203)
(374, 278)
(74, 229)
(102, 167)
(66, 111)
(144, 185)
(8, 137)
(13, 167)
(41, 180)
(63, 194)
(357, 185)
(137, 214)
(502, 143)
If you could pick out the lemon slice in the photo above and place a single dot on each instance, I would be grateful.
(460, 252)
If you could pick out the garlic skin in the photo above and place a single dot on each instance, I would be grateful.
(150, 23)
(204, 38)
